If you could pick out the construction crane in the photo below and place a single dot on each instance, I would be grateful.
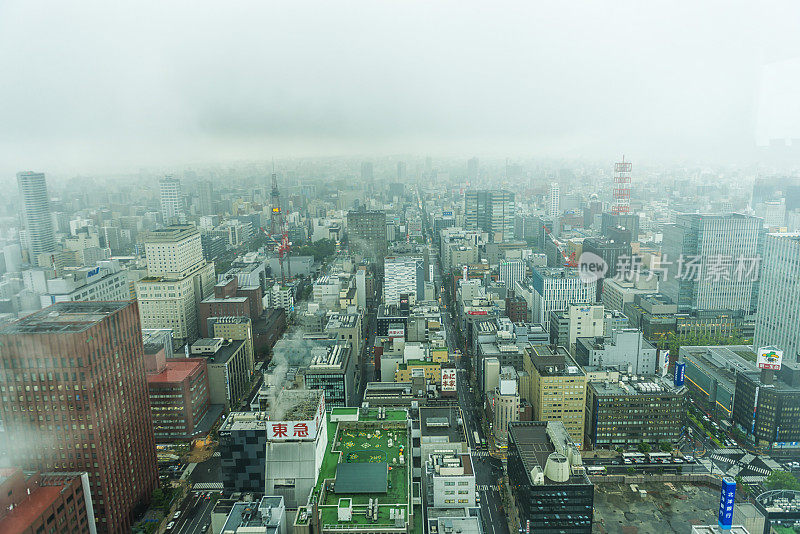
(569, 261)
(279, 230)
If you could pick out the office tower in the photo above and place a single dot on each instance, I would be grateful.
(778, 315)
(367, 175)
(366, 235)
(472, 170)
(622, 188)
(401, 171)
(88, 356)
(557, 388)
(554, 289)
(171, 200)
(402, 275)
(554, 201)
(712, 261)
(551, 495)
(178, 278)
(35, 205)
(511, 271)
(613, 253)
(491, 211)
(623, 228)
(206, 197)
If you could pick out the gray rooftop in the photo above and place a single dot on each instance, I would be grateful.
(64, 317)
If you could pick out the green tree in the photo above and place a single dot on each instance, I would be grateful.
(643, 447)
(781, 480)
(665, 446)
(159, 499)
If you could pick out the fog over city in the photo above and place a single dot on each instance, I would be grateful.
(106, 86)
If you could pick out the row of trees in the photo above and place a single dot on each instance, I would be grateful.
(674, 343)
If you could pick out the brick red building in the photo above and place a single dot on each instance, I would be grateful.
(179, 397)
(517, 309)
(230, 300)
(31, 503)
(85, 406)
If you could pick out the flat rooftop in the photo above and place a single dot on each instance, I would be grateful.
(342, 320)
(64, 317)
(534, 441)
(176, 371)
(442, 422)
(651, 386)
(225, 352)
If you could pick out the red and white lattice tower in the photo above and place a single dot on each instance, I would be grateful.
(622, 188)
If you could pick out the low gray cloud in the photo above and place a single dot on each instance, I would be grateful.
(108, 85)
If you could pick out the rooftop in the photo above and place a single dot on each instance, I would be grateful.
(442, 422)
(553, 361)
(225, 352)
(64, 317)
(536, 440)
(342, 320)
(623, 388)
(176, 371)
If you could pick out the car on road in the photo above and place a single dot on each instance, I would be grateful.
(170, 525)
(176, 515)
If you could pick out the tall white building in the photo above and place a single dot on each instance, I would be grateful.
(778, 315)
(403, 274)
(178, 278)
(554, 289)
(511, 271)
(171, 200)
(554, 201)
(35, 208)
(506, 403)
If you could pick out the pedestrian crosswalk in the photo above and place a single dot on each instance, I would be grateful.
(213, 486)
(481, 453)
(487, 487)
(216, 454)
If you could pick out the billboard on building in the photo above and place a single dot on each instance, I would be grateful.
(449, 379)
(396, 331)
(726, 499)
(664, 362)
(680, 374)
(769, 358)
(297, 430)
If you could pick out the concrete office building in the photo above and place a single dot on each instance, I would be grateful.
(710, 375)
(332, 370)
(618, 292)
(626, 413)
(171, 200)
(557, 388)
(505, 401)
(449, 481)
(82, 346)
(625, 350)
(228, 372)
(105, 282)
(403, 275)
(778, 315)
(35, 211)
(179, 398)
(549, 483)
(720, 267)
(512, 271)
(178, 278)
(266, 516)
(491, 211)
(579, 320)
(554, 289)
(554, 201)
(242, 448)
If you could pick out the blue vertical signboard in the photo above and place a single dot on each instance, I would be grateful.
(726, 498)
(680, 373)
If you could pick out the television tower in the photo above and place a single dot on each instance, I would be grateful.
(279, 230)
(622, 188)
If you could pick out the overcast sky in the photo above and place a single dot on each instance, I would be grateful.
(110, 85)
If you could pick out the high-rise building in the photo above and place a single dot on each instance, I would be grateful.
(90, 355)
(511, 271)
(491, 211)
(403, 275)
(712, 261)
(554, 201)
(171, 200)
(206, 197)
(472, 169)
(366, 234)
(778, 315)
(35, 205)
(554, 289)
(178, 278)
(557, 388)
(367, 175)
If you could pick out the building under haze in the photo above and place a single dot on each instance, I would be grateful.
(171, 200)
(35, 210)
(366, 234)
(403, 275)
(778, 316)
(712, 261)
(491, 211)
(90, 355)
